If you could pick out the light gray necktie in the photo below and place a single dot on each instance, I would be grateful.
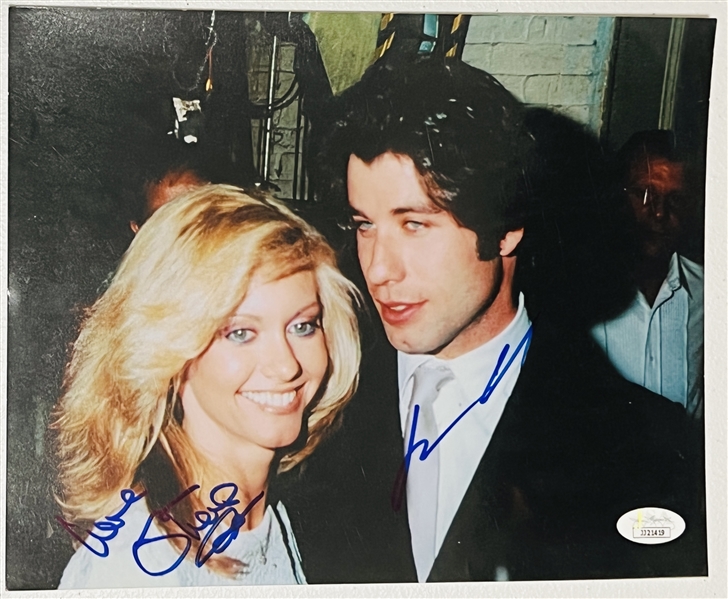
(423, 475)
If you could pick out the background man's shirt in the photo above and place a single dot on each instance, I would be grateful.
(661, 347)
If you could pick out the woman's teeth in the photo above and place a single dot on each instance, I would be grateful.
(265, 398)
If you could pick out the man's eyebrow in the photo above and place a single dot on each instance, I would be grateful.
(417, 209)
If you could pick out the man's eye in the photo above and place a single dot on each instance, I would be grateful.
(304, 329)
(362, 225)
(240, 335)
(414, 225)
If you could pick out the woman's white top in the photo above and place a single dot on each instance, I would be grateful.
(269, 552)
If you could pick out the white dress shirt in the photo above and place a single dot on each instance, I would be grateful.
(463, 447)
(661, 346)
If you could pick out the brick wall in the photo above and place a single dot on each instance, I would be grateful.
(554, 61)
(551, 61)
(283, 139)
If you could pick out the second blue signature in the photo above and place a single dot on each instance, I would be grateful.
(498, 373)
(427, 446)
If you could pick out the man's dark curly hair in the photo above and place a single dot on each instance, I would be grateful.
(462, 129)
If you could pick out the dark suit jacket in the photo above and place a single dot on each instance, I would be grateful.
(576, 447)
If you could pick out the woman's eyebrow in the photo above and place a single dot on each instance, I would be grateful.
(315, 304)
(245, 315)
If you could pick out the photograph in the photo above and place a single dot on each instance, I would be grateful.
(361, 298)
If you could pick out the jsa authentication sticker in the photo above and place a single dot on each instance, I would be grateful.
(650, 525)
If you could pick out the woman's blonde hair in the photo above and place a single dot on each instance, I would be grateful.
(185, 273)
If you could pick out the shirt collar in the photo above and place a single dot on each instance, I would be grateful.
(473, 369)
(676, 278)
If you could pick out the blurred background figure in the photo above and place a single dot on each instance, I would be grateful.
(173, 183)
(657, 341)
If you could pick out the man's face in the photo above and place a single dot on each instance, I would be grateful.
(421, 267)
(655, 190)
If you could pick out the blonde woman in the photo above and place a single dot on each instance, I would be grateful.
(224, 347)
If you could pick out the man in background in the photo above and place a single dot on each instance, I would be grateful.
(657, 341)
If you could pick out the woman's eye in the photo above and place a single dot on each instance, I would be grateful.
(240, 335)
(414, 225)
(304, 329)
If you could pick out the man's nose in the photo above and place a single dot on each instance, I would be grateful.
(380, 261)
(279, 361)
(658, 206)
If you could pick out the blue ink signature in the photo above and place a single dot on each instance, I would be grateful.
(109, 526)
(426, 447)
(209, 519)
(223, 498)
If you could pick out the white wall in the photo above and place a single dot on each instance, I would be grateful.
(554, 61)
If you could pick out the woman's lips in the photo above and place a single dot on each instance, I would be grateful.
(398, 313)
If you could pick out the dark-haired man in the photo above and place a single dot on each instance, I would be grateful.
(484, 443)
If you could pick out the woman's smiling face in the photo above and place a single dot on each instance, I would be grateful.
(249, 388)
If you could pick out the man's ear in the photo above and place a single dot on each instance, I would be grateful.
(510, 242)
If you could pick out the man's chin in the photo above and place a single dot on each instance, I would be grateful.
(403, 342)
(657, 249)
(412, 343)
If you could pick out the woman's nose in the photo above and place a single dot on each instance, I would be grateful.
(279, 361)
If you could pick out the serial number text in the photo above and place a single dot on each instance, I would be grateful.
(650, 532)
